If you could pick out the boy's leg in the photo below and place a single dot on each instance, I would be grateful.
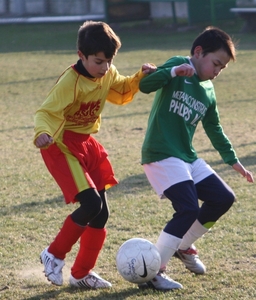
(185, 203)
(53, 256)
(187, 252)
(218, 197)
(91, 243)
(73, 227)
(184, 199)
(167, 245)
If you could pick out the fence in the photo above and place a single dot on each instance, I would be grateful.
(24, 8)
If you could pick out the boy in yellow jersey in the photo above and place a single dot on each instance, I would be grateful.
(79, 164)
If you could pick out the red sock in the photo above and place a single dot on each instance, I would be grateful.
(66, 238)
(91, 242)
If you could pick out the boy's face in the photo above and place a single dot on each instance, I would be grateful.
(210, 65)
(97, 65)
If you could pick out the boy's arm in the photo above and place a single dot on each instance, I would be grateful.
(148, 68)
(176, 66)
(214, 131)
(155, 81)
(43, 140)
(123, 88)
(49, 118)
(48, 122)
(245, 173)
(222, 144)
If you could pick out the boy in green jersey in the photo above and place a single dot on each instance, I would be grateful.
(184, 96)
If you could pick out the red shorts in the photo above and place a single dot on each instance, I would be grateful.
(78, 162)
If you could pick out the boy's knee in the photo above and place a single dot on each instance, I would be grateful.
(91, 203)
(90, 206)
(229, 199)
(189, 213)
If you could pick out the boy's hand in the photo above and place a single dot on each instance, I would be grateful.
(43, 140)
(184, 70)
(245, 173)
(148, 68)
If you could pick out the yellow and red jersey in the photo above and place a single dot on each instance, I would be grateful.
(75, 102)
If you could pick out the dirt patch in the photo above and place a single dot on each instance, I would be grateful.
(36, 273)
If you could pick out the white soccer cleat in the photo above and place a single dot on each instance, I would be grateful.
(52, 267)
(161, 282)
(191, 260)
(90, 281)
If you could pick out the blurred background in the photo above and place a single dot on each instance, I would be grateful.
(192, 11)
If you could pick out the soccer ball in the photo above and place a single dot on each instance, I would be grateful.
(138, 260)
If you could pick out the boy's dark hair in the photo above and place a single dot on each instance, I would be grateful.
(213, 39)
(94, 37)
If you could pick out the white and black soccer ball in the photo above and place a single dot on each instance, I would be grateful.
(138, 260)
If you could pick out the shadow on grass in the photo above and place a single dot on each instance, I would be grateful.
(32, 206)
(134, 184)
(131, 185)
(249, 159)
(122, 294)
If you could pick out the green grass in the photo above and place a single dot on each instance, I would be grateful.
(32, 207)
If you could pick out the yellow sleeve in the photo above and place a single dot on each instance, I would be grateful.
(124, 88)
(49, 118)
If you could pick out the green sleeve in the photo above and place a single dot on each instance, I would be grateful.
(219, 140)
(162, 76)
(155, 81)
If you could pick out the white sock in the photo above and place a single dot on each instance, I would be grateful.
(167, 245)
(195, 232)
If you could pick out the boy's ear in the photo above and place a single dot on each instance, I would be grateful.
(198, 51)
(80, 54)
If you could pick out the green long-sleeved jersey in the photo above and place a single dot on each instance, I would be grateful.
(179, 104)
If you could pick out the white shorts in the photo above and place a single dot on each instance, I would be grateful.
(167, 172)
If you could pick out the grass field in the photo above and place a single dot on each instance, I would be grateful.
(32, 207)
